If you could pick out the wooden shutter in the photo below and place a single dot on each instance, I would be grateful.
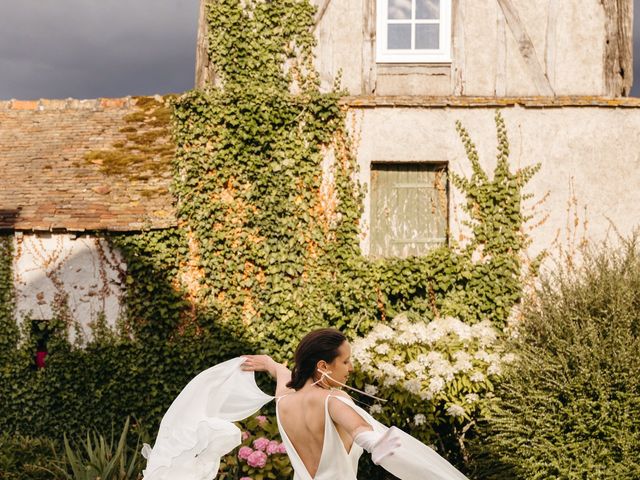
(409, 205)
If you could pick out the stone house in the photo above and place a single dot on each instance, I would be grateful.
(560, 71)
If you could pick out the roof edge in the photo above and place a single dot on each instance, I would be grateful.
(102, 103)
(377, 101)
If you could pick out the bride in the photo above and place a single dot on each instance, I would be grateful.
(324, 432)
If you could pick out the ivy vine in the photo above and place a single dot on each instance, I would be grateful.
(267, 243)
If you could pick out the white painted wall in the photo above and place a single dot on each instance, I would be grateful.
(83, 269)
(590, 162)
(568, 38)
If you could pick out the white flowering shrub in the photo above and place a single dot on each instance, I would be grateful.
(432, 373)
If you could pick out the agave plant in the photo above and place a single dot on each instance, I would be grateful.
(99, 458)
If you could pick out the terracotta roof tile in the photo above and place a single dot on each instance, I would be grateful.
(46, 183)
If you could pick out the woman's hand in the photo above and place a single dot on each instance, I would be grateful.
(259, 363)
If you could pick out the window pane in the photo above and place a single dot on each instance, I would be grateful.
(399, 37)
(428, 36)
(399, 9)
(428, 9)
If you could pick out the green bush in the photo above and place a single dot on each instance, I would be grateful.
(99, 457)
(436, 376)
(571, 406)
(26, 458)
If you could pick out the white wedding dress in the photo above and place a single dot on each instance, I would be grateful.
(198, 430)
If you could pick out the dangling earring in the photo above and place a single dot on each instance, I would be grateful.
(324, 374)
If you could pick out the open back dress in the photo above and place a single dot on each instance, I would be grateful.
(198, 430)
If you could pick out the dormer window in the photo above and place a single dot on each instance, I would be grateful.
(413, 31)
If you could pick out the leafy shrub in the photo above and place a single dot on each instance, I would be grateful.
(261, 454)
(570, 406)
(435, 375)
(99, 457)
(26, 458)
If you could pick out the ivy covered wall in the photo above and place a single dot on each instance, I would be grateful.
(267, 246)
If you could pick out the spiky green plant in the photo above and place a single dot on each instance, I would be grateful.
(100, 458)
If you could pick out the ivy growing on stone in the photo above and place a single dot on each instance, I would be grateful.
(267, 242)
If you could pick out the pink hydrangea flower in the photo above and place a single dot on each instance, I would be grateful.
(246, 478)
(257, 459)
(244, 453)
(282, 448)
(272, 447)
(245, 435)
(262, 420)
(261, 443)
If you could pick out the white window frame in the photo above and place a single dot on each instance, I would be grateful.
(385, 55)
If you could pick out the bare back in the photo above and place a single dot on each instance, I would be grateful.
(302, 416)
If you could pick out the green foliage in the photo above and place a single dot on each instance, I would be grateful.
(262, 429)
(263, 251)
(26, 458)
(8, 328)
(436, 376)
(99, 457)
(570, 406)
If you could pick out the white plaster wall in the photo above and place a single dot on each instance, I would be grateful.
(83, 268)
(568, 37)
(590, 162)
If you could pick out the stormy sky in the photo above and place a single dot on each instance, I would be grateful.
(110, 48)
(96, 48)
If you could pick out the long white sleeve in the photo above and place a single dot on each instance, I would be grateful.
(379, 445)
(411, 459)
(198, 428)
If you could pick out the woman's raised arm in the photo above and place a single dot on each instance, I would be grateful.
(264, 363)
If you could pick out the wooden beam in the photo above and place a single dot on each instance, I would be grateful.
(458, 46)
(204, 73)
(618, 48)
(368, 55)
(321, 11)
(525, 45)
(551, 41)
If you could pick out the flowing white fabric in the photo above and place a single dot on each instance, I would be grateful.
(198, 430)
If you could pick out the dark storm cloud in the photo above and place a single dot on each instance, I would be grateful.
(96, 48)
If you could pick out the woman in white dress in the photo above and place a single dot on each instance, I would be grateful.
(324, 432)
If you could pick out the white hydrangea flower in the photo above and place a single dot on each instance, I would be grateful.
(370, 389)
(413, 367)
(456, 411)
(375, 408)
(434, 332)
(382, 332)
(485, 332)
(494, 369)
(461, 329)
(483, 356)
(391, 373)
(419, 419)
(436, 384)
(472, 397)
(463, 361)
(477, 377)
(413, 386)
(443, 368)
(405, 338)
(431, 357)
(509, 358)
(382, 348)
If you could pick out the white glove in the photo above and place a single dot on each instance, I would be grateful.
(379, 445)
